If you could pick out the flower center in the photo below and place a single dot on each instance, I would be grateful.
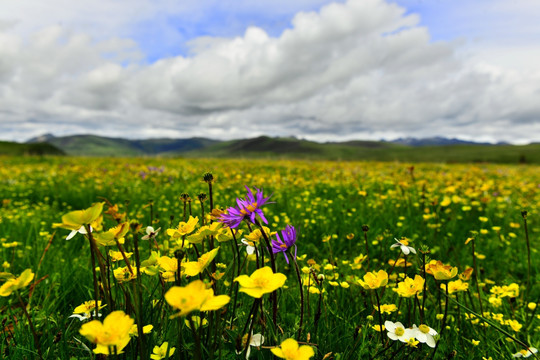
(400, 331)
(424, 328)
(260, 282)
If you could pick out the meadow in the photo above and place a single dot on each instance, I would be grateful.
(385, 260)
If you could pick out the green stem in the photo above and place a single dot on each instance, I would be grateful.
(32, 329)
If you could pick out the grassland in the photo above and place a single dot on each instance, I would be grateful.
(442, 209)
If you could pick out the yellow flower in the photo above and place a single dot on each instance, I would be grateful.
(109, 237)
(455, 286)
(409, 287)
(117, 255)
(162, 352)
(290, 350)
(183, 228)
(441, 271)
(75, 219)
(194, 297)
(204, 231)
(113, 332)
(387, 308)
(475, 342)
(466, 275)
(167, 267)
(374, 280)
(15, 284)
(134, 331)
(122, 274)
(256, 234)
(88, 306)
(193, 268)
(261, 282)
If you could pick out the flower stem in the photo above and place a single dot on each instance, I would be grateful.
(524, 215)
(301, 298)
(380, 316)
(443, 321)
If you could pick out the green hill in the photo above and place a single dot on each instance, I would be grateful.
(13, 148)
(91, 145)
(289, 148)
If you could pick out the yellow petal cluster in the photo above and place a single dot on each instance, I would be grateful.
(183, 228)
(262, 281)
(374, 280)
(410, 287)
(441, 271)
(109, 237)
(290, 350)
(15, 284)
(455, 286)
(194, 297)
(193, 268)
(75, 219)
(113, 332)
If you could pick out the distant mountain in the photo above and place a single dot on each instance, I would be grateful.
(434, 141)
(402, 150)
(92, 145)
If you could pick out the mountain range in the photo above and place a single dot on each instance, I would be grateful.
(438, 149)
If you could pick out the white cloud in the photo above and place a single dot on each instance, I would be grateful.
(363, 69)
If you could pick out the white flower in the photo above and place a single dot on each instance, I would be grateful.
(82, 230)
(250, 249)
(525, 353)
(404, 245)
(396, 331)
(256, 340)
(150, 233)
(425, 334)
(84, 316)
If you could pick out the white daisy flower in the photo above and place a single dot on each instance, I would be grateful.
(425, 334)
(525, 353)
(150, 233)
(404, 245)
(82, 230)
(396, 331)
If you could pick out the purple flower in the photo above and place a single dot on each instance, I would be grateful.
(232, 217)
(251, 205)
(289, 240)
(248, 208)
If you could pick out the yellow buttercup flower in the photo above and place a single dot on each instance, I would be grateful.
(194, 297)
(162, 352)
(109, 237)
(113, 332)
(15, 284)
(75, 219)
(87, 306)
(455, 286)
(261, 282)
(409, 287)
(441, 271)
(204, 231)
(290, 350)
(193, 268)
(374, 280)
(183, 228)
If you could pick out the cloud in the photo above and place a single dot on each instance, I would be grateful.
(360, 69)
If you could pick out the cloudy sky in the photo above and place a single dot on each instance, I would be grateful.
(317, 69)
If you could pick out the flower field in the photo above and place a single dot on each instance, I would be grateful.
(224, 259)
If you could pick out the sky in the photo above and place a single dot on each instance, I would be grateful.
(314, 69)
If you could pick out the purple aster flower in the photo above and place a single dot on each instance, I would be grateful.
(289, 240)
(251, 205)
(232, 217)
(248, 208)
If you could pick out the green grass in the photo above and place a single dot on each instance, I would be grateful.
(436, 205)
